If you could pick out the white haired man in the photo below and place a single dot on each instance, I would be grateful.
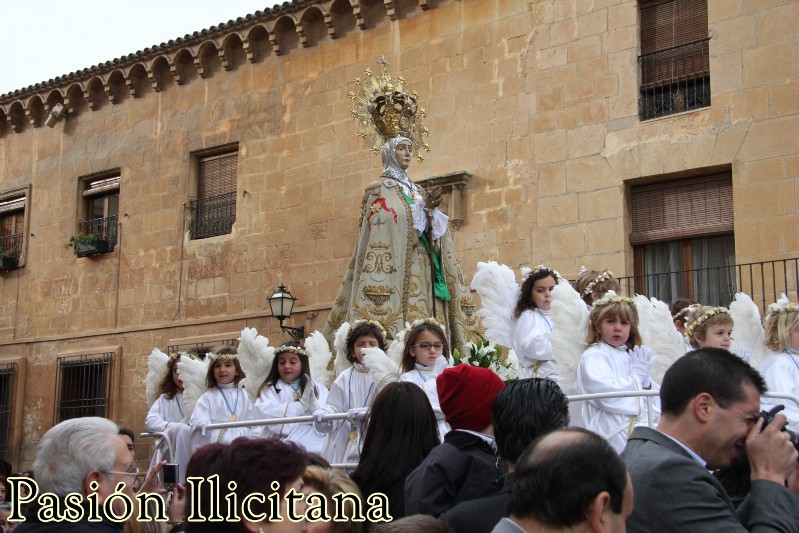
(81, 456)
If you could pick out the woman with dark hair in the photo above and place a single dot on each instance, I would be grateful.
(255, 466)
(401, 432)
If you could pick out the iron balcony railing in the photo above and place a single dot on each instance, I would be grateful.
(104, 228)
(674, 80)
(764, 282)
(212, 216)
(12, 244)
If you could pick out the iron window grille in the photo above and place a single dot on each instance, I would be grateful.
(12, 244)
(83, 386)
(7, 375)
(213, 212)
(200, 349)
(212, 216)
(674, 80)
(104, 228)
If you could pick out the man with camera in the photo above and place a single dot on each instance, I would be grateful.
(710, 402)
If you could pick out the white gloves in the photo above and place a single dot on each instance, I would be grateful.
(308, 399)
(744, 354)
(202, 426)
(321, 425)
(356, 413)
(641, 360)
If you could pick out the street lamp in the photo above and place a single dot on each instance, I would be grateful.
(281, 303)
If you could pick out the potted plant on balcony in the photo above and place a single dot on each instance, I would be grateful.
(88, 242)
(8, 261)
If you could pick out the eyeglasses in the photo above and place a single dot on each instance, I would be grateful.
(427, 346)
(134, 474)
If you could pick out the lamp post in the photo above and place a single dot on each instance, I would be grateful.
(281, 303)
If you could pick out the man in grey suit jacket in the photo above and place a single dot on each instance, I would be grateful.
(710, 401)
(568, 480)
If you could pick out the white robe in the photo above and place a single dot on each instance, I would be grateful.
(530, 341)
(603, 368)
(781, 372)
(211, 408)
(425, 377)
(273, 404)
(353, 389)
(168, 416)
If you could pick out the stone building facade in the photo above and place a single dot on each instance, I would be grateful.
(536, 124)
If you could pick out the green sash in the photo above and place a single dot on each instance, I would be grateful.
(440, 283)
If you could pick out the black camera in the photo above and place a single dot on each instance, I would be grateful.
(768, 417)
(170, 473)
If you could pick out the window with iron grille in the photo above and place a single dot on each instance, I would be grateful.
(682, 234)
(7, 375)
(100, 193)
(674, 61)
(213, 212)
(12, 226)
(83, 386)
(201, 346)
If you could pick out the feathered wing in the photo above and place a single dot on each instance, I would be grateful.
(340, 345)
(192, 372)
(255, 357)
(397, 347)
(498, 290)
(156, 371)
(319, 358)
(382, 369)
(747, 329)
(570, 318)
(663, 339)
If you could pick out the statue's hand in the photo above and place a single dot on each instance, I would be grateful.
(432, 198)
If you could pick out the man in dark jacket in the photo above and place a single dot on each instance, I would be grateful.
(82, 456)
(467, 464)
(523, 411)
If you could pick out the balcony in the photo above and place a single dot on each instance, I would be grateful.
(102, 233)
(763, 281)
(10, 251)
(212, 216)
(674, 80)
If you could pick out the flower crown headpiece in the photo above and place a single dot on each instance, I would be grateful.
(681, 312)
(362, 321)
(527, 272)
(602, 276)
(384, 109)
(701, 319)
(293, 349)
(214, 357)
(783, 305)
(611, 297)
(424, 320)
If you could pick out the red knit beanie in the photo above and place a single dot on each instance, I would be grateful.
(466, 393)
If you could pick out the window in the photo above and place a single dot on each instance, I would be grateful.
(682, 233)
(100, 194)
(12, 227)
(12, 401)
(6, 395)
(213, 212)
(674, 60)
(83, 386)
(202, 345)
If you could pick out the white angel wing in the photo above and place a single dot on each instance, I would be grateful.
(255, 357)
(570, 318)
(192, 372)
(397, 347)
(340, 345)
(496, 285)
(382, 369)
(661, 337)
(156, 370)
(747, 329)
(319, 359)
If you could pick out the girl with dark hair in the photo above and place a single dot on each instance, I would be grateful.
(247, 466)
(401, 432)
(290, 391)
(351, 393)
(224, 401)
(533, 324)
(169, 415)
(425, 356)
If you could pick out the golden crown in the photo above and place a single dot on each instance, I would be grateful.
(384, 109)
